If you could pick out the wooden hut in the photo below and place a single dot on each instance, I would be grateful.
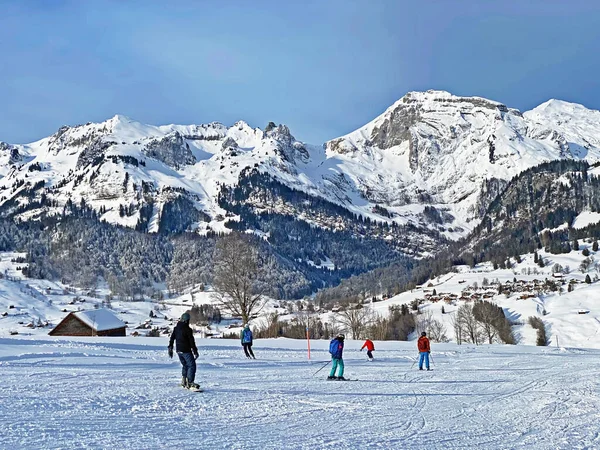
(95, 322)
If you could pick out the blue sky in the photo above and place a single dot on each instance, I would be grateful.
(323, 68)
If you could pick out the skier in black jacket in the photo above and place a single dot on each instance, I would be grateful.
(186, 350)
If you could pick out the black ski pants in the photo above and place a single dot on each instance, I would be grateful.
(248, 350)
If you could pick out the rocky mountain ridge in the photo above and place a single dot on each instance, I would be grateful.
(424, 170)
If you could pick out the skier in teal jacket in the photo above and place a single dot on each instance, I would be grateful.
(336, 348)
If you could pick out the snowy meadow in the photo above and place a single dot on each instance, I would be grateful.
(123, 393)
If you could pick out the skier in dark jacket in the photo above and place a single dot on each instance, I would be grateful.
(246, 338)
(336, 348)
(186, 350)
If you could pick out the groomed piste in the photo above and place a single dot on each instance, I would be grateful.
(123, 393)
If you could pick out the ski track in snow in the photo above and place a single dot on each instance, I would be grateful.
(99, 393)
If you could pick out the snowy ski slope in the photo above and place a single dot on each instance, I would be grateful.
(122, 393)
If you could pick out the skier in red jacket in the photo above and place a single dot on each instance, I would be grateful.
(370, 347)
(424, 350)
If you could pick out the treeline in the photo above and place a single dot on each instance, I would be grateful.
(204, 314)
(519, 220)
(354, 243)
(359, 323)
(80, 250)
(542, 335)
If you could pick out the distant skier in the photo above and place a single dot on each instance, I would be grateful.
(336, 348)
(246, 338)
(186, 350)
(370, 347)
(424, 350)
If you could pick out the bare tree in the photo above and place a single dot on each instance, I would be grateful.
(466, 327)
(437, 332)
(423, 321)
(433, 327)
(487, 315)
(306, 319)
(356, 320)
(379, 328)
(334, 326)
(236, 277)
(271, 328)
(458, 336)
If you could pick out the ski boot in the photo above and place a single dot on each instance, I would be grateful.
(331, 378)
(341, 379)
(184, 382)
(193, 387)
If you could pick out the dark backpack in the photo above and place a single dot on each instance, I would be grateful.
(247, 336)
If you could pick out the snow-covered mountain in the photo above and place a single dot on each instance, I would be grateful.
(456, 153)
(120, 165)
(432, 162)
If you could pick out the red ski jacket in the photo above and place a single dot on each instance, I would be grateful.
(369, 344)
(423, 344)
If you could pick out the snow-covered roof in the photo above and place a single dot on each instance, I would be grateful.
(100, 319)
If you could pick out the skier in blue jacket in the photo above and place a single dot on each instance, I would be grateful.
(246, 338)
(336, 348)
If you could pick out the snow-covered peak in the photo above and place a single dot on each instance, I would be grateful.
(438, 148)
(428, 150)
(122, 163)
(120, 118)
(554, 106)
(431, 108)
(577, 126)
(434, 97)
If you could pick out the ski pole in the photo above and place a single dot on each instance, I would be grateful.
(431, 357)
(413, 364)
(325, 365)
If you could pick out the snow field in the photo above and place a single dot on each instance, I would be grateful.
(123, 393)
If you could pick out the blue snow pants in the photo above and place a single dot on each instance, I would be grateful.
(188, 368)
(424, 356)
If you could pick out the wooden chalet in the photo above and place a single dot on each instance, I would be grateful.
(95, 322)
